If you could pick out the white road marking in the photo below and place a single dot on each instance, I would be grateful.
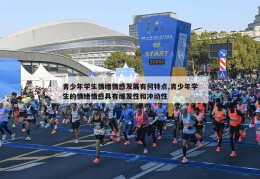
(66, 155)
(25, 166)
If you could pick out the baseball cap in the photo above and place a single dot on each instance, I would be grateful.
(184, 108)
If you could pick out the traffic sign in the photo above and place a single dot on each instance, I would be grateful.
(222, 53)
(91, 74)
(222, 74)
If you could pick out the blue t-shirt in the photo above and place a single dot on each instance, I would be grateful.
(4, 114)
(127, 116)
(161, 113)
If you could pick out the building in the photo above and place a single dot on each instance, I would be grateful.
(137, 18)
(80, 40)
(253, 29)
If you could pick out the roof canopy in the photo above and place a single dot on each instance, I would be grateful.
(56, 33)
(96, 69)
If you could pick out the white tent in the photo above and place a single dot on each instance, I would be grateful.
(45, 77)
(26, 76)
(96, 69)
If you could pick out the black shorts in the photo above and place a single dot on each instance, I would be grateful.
(160, 124)
(219, 126)
(75, 125)
(22, 114)
(100, 137)
(187, 136)
(178, 125)
(50, 115)
(32, 121)
(199, 127)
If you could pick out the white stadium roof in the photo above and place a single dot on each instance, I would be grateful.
(56, 33)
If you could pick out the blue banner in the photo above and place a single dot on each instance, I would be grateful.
(164, 44)
(10, 76)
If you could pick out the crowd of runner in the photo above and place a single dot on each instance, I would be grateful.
(231, 105)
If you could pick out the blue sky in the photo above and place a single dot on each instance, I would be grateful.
(217, 15)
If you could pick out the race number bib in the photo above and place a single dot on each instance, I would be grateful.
(99, 131)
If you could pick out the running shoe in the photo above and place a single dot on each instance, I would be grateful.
(28, 138)
(140, 142)
(96, 161)
(244, 134)
(174, 141)
(233, 154)
(154, 145)
(118, 139)
(201, 145)
(53, 131)
(42, 124)
(13, 126)
(184, 160)
(48, 125)
(13, 136)
(218, 149)
(127, 143)
(76, 141)
(159, 137)
(23, 130)
(3, 137)
(145, 151)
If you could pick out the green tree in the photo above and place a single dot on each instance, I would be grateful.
(118, 59)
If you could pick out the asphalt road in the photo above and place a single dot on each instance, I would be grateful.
(57, 156)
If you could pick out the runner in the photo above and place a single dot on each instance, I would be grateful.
(4, 121)
(98, 120)
(242, 108)
(49, 110)
(161, 121)
(76, 116)
(200, 124)
(153, 122)
(235, 117)
(127, 117)
(255, 122)
(142, 123)
(30, 118)
(112, 121)
(219, 116)
(189, 131)
(117, 113)
(177, 122)
(22, 113)
(14, 112)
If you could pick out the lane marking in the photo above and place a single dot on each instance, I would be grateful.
(162, 161)
(25, 166)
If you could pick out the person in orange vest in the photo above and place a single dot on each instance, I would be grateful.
(201, 107)
(176, 118)
(241, 107)
(219, 117)
(199, 124)
(235, 118)
(190, 107)
(215, 106)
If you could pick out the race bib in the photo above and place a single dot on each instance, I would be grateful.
(99, 131)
